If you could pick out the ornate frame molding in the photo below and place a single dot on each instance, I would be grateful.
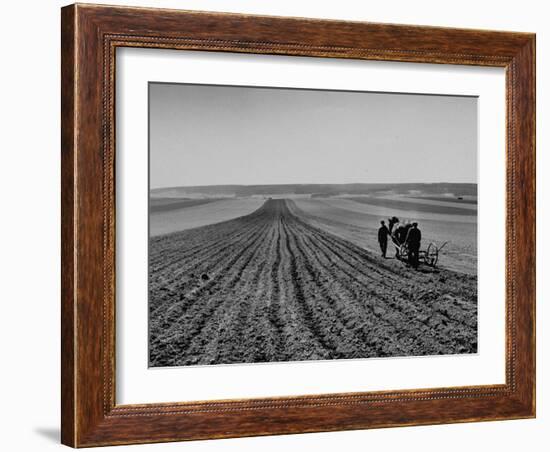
(90, 37)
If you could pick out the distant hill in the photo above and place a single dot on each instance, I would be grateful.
(324, 190)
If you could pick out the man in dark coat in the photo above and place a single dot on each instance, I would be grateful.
(383, 233)
(413, 241)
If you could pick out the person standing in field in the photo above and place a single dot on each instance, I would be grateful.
(383, 233)
(413, 241)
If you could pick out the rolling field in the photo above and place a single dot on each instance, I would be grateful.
(465, 201)
(274, 286)
(187, 215)
(413, 205)
(169, 204)
(359, 222)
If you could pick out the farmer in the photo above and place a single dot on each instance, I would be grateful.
(383, 233)
(413, 241)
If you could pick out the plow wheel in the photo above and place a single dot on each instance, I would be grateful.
(404, 251)
(432, 255)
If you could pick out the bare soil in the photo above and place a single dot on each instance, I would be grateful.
(203, 214)
(409, 205)
(168, 204)
(360, 226)
(270, 286)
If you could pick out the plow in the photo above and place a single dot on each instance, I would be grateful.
(429, 256)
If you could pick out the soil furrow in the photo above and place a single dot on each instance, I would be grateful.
(179, 327)
(270, 287)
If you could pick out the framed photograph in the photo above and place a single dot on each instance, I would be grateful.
(280, 225)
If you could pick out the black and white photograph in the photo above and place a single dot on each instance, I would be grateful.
(275, 226)
(297, 224)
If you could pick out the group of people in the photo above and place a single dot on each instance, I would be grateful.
(400, 233)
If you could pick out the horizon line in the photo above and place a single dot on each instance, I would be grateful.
(311, 183)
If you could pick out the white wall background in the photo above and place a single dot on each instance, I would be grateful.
(29, 251)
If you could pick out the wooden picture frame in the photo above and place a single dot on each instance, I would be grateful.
(90, 36)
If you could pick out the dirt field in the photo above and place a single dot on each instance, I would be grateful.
(169, 204)
(204, 213)
(414, 207)
(359, 222)
(270, 286)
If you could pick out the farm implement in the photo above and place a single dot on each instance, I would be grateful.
(429, 256)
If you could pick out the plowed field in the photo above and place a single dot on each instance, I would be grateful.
(269, 287)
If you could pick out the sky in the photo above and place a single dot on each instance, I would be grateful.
(217, 135)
